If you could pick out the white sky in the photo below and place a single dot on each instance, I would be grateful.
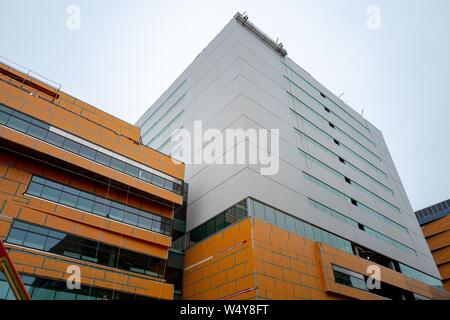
(128, 52)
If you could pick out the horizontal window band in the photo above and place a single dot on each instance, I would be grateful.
(337, 157)
(88, 202)
(314, 88)
(44, 239)
(351, 182)
(37, 129)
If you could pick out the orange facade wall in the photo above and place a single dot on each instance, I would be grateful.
(37, 99)
(91, 124)
(15, 174)
(437, 234)
(273, 263)
(55, 267)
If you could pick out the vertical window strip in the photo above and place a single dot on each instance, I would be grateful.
(164, 102)
(353, 183)
(166, 114)
(340, 121)
(160, 133)
(334, 155)
(318, 91)
(330, 138)
(348, 199)
(293, 224)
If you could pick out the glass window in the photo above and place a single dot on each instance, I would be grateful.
(68, 199)
(87, 152)
(37, 132)
(290, 223)
(300, 227)
(258, 210)
(18, 124)
(71, 146)
(57, 235)
(168, 185)
(211, 227)
(35, 241)
(220, 221)
(317, 236)
(100, 209)
(35, 189)
(4, 288)
(145, 223)
(40, 124)
(65, 295)
(87, 195)
(157, 180)
(270, 215)
(54, 139)
(147, 176)
(22, 116)
(51, 194)
(132, 170)
(118, 165)
(229, 219)
(53, 184)
(325, 237)
(85, 204)
(38, 230)
(16, 236)
(21, 225)
(51, 243)
(85, 297)
(309, 231)
(130, 219)
(8, 111)
(71, 190)
(281, 219)
(103, 159)
(43, 294)
(334, 241)
(115, 214)
(3, 118)
(166, 228)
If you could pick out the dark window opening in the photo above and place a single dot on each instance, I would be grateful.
(331, 125)
(50, 240)
(337, 142)
(373, 256)
(342, 160)
(354, 202)
(348, 180)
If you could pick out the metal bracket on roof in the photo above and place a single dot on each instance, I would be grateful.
(278, 47)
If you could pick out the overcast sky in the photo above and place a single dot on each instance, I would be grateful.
(126, 53)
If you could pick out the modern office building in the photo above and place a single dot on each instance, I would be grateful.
(311, 231)
(435, 223)
(79, 192)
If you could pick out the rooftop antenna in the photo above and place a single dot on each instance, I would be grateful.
(362, 113)
(341, 95)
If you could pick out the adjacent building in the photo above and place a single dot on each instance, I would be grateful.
(335, 207)
(81, 195)
(435, 222)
